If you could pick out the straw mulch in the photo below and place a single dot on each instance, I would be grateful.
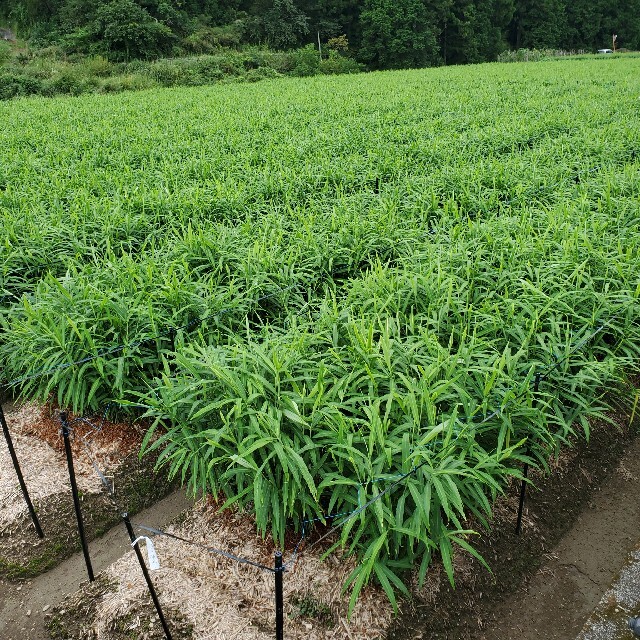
(224, 600)
(39, 446)
(43, 468)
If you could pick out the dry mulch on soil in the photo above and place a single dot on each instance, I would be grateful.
(98, 446)
(35, 431)
(42, 466)
(220, 599)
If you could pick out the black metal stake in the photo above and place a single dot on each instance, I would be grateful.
(74, 492)
(523, 486)
(16, 466)
(147, 577)
(279, 597)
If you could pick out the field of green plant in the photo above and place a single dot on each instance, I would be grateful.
(364, 274)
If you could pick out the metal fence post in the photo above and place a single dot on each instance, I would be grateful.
(523, 486)
(16, 466)
(147, 577)
(74, 492)
(279, 596)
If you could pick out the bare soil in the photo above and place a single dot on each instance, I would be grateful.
(556, 600)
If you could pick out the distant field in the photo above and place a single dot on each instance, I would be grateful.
(381, 261)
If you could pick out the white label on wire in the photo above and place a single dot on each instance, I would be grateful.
(152, 556)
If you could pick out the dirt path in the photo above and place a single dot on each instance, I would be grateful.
(556, 601)
(23, 605)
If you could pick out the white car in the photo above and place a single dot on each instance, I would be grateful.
(605, 50)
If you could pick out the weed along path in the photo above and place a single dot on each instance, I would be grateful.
(23, 605)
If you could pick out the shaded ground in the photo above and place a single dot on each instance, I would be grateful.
(555, 602)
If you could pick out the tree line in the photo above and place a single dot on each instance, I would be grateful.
(383, 34)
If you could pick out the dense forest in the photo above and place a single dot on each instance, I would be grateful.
(382, 34)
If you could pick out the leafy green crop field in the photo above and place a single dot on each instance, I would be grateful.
(365, 274)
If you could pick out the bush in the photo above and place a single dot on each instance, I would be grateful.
(98, 66)
(208, 69)
(337, 63)
(262, 73)
(50, 53)
(305, 61)
(280, 61)
(171, 73)
(535, 55)
(200, 41)
(74, 75)
(128, 82)
(208, 39)
(69, 81)
(253, 59)
(6, 52)
(136, 66)
(522, 55)
(230, 63)
(13, 85)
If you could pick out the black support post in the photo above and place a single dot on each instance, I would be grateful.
(76, 499)
(279, 570)
(147, 577)
(525, 473)
(16, 466)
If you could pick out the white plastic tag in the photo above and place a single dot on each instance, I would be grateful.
(152, 556)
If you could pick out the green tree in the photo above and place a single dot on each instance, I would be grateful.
(491, 28)
(212, 12)
(285, 24)
(397, 34)
(382, 33)
(332, 18)
(474, 31)
(279, 23)
(539, 24)
(584, 18)
(623, 19)
(125, 30)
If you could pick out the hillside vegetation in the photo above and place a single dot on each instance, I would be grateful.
(382, 34)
